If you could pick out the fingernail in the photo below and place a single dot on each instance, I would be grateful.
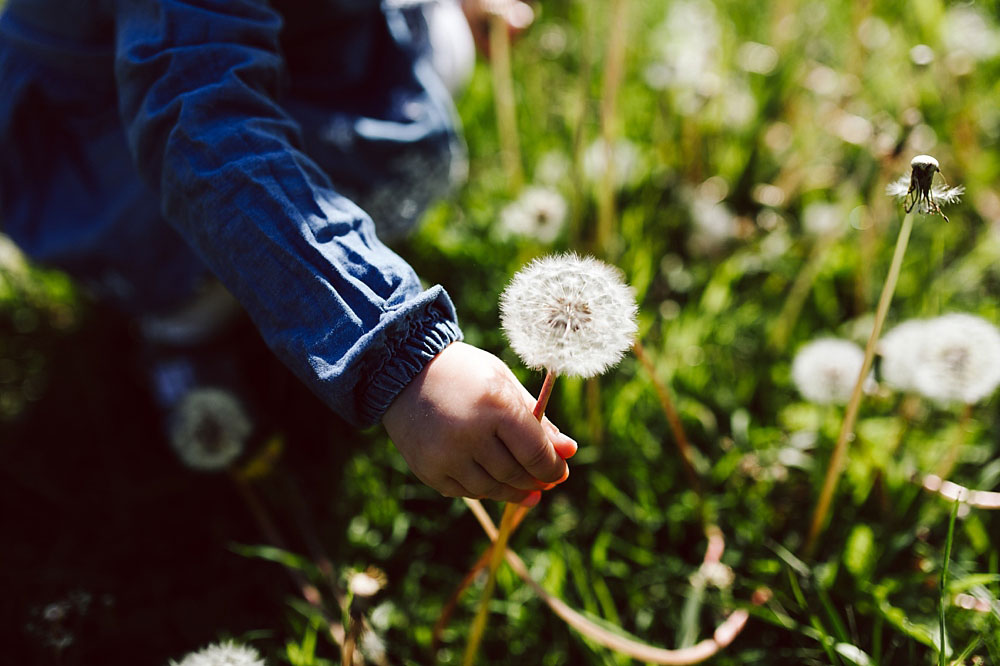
(533, 498)
(566, 447)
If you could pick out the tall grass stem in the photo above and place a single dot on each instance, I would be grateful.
(613, 74)
(503, 95)
(673, 418)
(837, 459)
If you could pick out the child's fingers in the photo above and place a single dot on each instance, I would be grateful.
(564, 444)
(527, 441)
(480, 484)
(501, 465)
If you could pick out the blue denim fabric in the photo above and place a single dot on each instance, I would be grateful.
(145, 140)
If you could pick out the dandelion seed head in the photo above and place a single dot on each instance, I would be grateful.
(538, 213)
(553, 168)
(209, 429)
(900, 349)
(569, 314)
(826, 370)
(624, 162)
(920, 190)
(222, 654)
(959, 359)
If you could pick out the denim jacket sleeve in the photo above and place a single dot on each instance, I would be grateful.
(198, 87)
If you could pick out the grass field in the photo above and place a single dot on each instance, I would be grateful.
(748, 211)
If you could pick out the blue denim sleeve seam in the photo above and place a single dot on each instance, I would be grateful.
(422, 337)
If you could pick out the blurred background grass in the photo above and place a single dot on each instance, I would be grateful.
(752, 128)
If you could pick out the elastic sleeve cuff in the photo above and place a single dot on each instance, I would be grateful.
(419, 339)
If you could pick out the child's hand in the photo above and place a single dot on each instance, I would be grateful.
(464, 426)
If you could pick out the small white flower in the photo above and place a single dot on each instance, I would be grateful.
(959, 360)
(900, 349)
(568, 314)
(222, 654)
(826, 370)
(209, 428)
(538, 213)
(920, 189)
(624, 163)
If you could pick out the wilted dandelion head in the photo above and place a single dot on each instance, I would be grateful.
(959, 359)
(538, 213)
(568, 314)
(209, 429)
(826, 370)
(919, 189)
(222, 654)
(900, 350)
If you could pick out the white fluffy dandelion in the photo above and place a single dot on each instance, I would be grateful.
(826, 370)
(209, 429)
(958, 360)
(624, 162)
(900, 350)
(919, 189)
(568, 314)
(222, 654)
(538, 213)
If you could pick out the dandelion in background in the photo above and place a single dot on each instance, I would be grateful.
(222, 654)
(900, 350)
(553, 168)
(920, 190)
(624, 163)
(209, 429)
(714, 223)
(570, 315)
(959, 359)
(821, 218)
(690, 38)
(538, 213)
(826, 370)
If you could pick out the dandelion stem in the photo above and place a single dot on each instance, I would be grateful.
(496, 557)
(836, 464)
(512, 516)
(503, 94)
(942, 652)
(673, 418)
(544, 394)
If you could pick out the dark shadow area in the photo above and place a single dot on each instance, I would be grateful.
(114, 552)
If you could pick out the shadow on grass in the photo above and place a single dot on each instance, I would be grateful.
(112, 551)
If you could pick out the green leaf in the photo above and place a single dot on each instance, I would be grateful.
(859, 552)
(853, 653)
(279, 556)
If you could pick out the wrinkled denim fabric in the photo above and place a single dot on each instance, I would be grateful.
(147, 140)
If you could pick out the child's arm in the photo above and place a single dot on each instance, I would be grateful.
(465, 427)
